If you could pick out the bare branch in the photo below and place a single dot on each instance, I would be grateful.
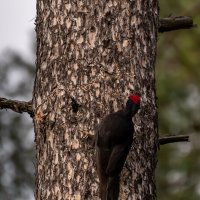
(17, 106)
(175, 23)
(172, 139)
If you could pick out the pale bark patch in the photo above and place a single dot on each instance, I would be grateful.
(77, 196)
(75, 144)
(54, 22)
(125, 43)
(78, 22)
(70, 169)
(73, 79)
(50, 139)
(80, 40)
(68, 23)
(56, 157)
(92, 38)
(68, 6)
(55, 52)
(44, 65)
(78, 156)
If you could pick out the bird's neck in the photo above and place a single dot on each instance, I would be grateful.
(128, 113)
(130, 110)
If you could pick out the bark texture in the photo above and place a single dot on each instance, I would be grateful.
(90, 56)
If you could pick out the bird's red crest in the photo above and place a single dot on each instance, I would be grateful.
(135, 99)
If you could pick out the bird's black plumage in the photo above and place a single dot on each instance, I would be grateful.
(114, 137)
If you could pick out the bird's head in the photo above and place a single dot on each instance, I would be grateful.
(133, 104)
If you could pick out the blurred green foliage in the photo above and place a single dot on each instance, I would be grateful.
(178, 91)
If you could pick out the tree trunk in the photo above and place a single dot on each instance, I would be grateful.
(90, 56)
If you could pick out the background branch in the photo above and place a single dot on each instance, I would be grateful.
(17, 106)
(175, 23)
(172, 139)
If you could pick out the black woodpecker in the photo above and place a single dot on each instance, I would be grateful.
(114, 136)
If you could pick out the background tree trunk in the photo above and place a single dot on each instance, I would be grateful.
(90, 56)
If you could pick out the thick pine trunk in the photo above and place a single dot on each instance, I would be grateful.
(90, 56)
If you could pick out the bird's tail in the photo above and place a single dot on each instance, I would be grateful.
(112, 190)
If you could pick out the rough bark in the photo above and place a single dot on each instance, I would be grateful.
(90, 56)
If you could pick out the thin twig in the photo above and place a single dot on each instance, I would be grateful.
(17, 106)
(175, 23)
(172, 139)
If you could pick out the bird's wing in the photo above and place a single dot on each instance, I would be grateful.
(118, 158)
